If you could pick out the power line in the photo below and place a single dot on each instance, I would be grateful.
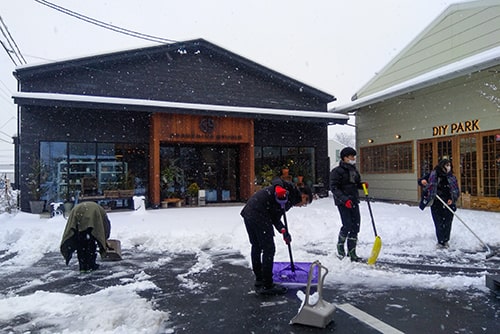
(14, 49)
(104, 24)
(4, 124)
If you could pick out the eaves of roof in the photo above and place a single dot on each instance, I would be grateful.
(460, 68)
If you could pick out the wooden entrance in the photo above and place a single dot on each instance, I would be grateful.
(199, 129)
(474, 165)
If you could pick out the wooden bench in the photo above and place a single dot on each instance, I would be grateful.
(177, 202)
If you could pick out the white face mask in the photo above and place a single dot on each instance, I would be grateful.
(352, 162)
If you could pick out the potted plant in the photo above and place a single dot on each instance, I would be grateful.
(302, 169)
(285, 170)
(192, 193)
(266, 176)
(126, 186)
(35, 189)
(171, 177)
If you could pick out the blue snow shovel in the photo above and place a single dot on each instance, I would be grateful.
(292, 273)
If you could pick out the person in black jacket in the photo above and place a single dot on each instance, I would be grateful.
(442, 182)
(345, 182)
(262, 212)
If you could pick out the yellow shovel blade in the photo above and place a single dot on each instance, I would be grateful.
(377, 245)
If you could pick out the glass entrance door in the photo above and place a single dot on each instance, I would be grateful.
(490, 173)
(214, 168)
(219, 172)
(468, 166)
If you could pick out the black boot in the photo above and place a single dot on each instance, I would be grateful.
(340, 247)
(351, 248)
(272, 290)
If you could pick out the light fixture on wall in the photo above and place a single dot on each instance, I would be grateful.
(370, 140)
(397, 136)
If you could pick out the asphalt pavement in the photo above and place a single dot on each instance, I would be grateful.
(228, 304)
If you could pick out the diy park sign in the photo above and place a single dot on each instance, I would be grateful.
(456, 128)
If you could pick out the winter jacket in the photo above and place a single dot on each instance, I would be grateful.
(263, 208)
(443, 184)
(345, 183)
(84, 216)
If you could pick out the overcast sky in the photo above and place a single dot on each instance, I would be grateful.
(336, 46)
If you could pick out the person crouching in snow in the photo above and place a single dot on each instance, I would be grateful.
(345, 182)
(443, 183)
(262, 212)
(87, 226)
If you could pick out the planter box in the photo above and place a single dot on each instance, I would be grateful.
(37, 206)
(192, 201)
(127, 193)
(112, 193)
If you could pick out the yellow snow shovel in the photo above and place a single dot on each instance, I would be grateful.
(377, 245)
(319, 314)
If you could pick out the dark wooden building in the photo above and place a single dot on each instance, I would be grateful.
(157, 119)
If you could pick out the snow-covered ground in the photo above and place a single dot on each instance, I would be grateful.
(407, 234)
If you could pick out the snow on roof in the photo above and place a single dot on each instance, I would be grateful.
(89, 55)
(181, 105)
(471, 64)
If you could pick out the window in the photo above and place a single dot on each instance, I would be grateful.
(301, 161)
(468, 165)
(426, 158)
(491, 169)
(90, 168)
(390, 158)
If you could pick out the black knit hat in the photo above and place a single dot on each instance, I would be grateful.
(443, 162)
(346, 152)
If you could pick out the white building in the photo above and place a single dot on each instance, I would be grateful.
(438, 98)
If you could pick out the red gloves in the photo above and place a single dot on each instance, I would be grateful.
(286, 236)
(349, 204)
(280, 192)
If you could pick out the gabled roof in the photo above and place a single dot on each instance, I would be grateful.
(463, 39)
(192, 45)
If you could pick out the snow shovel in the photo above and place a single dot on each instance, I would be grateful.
(377, 244)
(113, 251)
(319, 314)
(293, 273)
(490, 253)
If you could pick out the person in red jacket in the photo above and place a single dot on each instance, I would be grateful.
(261, 214)
(345, 183)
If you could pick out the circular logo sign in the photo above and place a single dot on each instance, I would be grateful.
(207, 125)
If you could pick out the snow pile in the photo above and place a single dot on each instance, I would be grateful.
(407, 234)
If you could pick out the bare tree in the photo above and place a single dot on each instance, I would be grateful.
(347, 139)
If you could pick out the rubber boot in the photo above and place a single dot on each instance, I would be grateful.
(274, 289)
(340, 247)
(351, 248)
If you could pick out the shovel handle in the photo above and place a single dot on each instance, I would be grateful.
(292, 265)
(365, 189)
